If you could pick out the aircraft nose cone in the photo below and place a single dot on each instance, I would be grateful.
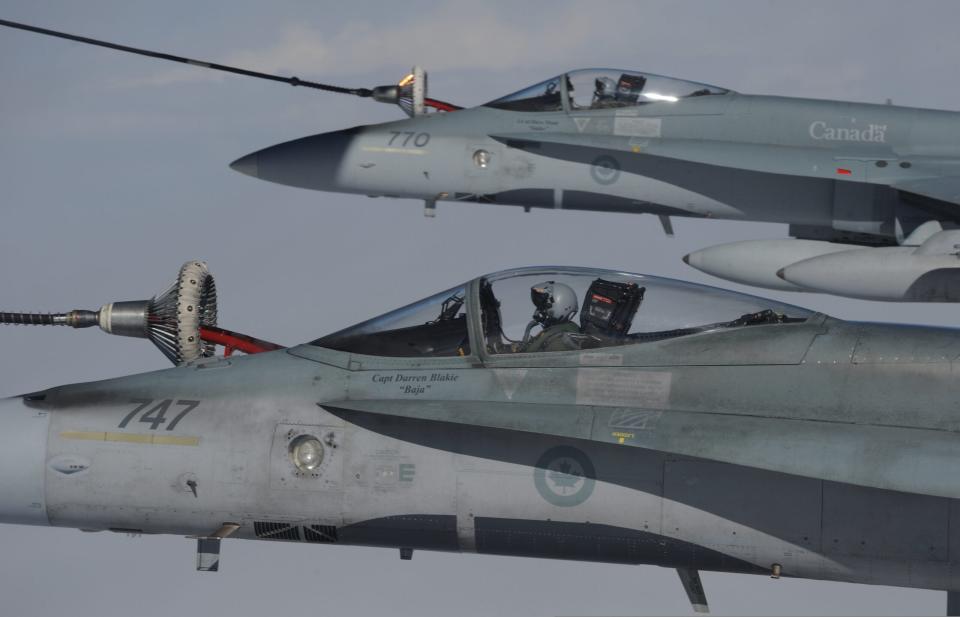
(311, 162)
(694, 259)
(23, 454)
(246, 164)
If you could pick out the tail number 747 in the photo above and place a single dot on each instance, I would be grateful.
(155, 415)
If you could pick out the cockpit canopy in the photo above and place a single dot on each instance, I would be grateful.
(613, 309)
(434, 326)
(602, 89)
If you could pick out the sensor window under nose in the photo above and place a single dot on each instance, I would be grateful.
(306, 452)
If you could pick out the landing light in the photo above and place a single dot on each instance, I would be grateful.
(481, 158)
(306, 452)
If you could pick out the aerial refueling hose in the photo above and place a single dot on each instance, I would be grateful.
(29, 319)
(293, 81)
(376, 93)
(172, 320)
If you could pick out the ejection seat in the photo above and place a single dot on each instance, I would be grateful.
(608, 311)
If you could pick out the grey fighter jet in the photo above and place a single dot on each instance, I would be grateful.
(871, 192)
(660, 423)
(844, 176)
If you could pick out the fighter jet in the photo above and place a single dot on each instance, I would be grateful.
(844, 176)
(551, 412)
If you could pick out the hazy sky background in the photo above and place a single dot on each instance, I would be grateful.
(114, 171)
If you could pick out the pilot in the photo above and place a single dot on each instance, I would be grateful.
(604, 93)
(555, 305)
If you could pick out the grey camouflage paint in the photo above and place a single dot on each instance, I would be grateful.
(832, 169)
(826, 447)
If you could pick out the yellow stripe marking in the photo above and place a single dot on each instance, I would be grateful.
(173, 440)
(159, 440)
(393, 150)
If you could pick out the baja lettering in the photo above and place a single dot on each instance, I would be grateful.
(156, 415)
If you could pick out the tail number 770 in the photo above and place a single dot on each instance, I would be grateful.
(155, 415)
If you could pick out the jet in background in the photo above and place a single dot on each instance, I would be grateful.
(871, 193)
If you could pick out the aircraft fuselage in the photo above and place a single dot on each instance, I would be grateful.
(837, 168)
(547, 460)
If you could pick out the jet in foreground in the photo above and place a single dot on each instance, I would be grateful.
(666, 423)
(871, 192)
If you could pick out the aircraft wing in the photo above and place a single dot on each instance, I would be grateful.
(944, 188)
(708, 166)
(763, 158)
(917, 461)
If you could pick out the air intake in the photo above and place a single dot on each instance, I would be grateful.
(269, 530)
(320, 534)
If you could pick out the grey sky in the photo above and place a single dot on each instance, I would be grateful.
(114, 171)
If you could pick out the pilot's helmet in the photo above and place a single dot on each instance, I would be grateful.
(605, 88)
(555, 302)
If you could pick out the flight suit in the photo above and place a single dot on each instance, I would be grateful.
(558, 337)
